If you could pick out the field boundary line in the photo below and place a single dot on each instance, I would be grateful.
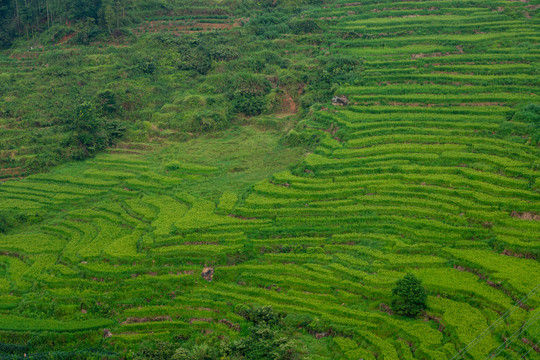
(484, 333)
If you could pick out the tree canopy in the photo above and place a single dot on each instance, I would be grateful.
(409, 296)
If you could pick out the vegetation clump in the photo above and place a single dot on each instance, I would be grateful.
(266, 339)
(409, 296)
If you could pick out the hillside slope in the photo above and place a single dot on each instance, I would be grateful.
(431, 169)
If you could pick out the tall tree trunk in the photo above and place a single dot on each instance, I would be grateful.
(48, 15)
(18, 16)
(38, 13)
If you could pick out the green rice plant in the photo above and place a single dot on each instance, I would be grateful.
(141, 209)
(108, 270)
(54, 188)
(256, 200)
(170, 211)
(300, 258)
(121, 165)
(11, 203)
(32, 243)
(393, 148)
(74, 180)
(41, 200)
(106, 235)
(201, 215)
(155, 325)
(198, 250)
(7, 302)
(189, 168)
(404, 350)
(5, 286)
(160, 179)
(385, 348)
(124, 247)
(520, 274)
(496, 160)
(303, 240)
(227, 202)
(467, 322)
(16, 323)
(80, 235)
(285, 282)
(453, 282)
(141, 184)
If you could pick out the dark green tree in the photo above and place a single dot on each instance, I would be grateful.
(409, 296)
(89, 131)
(6, 23)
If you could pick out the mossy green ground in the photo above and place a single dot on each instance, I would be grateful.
(242, 156)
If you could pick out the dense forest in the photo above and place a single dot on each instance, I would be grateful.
(29, 18)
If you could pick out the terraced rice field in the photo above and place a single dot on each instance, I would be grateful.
(190, 18)
(413, 176)
(178, 25)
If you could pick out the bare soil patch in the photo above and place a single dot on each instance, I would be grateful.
(66, 38)
(176, 27)
(528, 215)
(135, 320)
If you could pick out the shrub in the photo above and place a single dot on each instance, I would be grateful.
(264, 343)
(268, 26)
(302, 26)
(159, 351)
(193, 102)
(206, 120)
(302, 138)
(107, 103)
(172, 165)
(146, 66)
(247, 93)
(264, 315)
(267, 3)
(248, 104)
(224, 53)
(197, 59)
(409, 296)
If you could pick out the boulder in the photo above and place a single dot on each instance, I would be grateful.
(208, 273)
(340, 100)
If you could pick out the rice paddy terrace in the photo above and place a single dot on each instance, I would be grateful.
(419, 173)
